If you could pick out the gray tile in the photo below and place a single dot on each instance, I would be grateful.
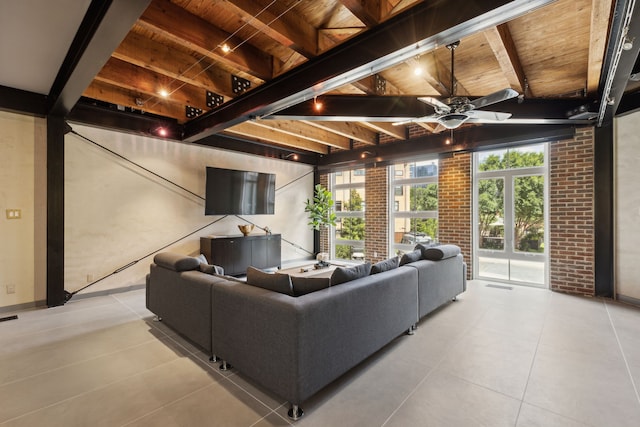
(365, 396)
(582, 387)
(532, 416)
(220, 404)
(443, 400)
(123, 401)
(496, 361)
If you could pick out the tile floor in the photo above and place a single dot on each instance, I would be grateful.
(522, 357)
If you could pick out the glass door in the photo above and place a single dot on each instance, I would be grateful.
(510, 215)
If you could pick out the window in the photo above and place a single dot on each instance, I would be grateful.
(348, 237)
(414, 192)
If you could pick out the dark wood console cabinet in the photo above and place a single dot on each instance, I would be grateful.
(236, 253)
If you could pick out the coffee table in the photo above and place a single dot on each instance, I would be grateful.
(308, 270)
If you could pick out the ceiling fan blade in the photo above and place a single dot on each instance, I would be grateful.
(478, 116)
(499, 96)
(440, 107)
(404, 122)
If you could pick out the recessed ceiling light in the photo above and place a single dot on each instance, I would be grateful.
(163, 93)
(225, 48)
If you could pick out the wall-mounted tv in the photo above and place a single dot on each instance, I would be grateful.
(236, 192)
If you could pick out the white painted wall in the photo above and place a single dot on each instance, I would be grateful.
(116, 213)
(22, 186)
(627, 206)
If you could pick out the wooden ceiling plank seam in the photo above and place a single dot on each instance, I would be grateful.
(177, 65)
(285, 27)
(600, 13)
(504, 49)
(330, 37)
(147, 82)
(397, 132)
(206, 39)
(249, 129)
(348, 130)
(127, 98)
(301, 130)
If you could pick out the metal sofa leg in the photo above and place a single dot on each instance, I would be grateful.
(157, 319)
(295, 412)
(454, 298)
(213, 358)
(412, 329)
(224, 366)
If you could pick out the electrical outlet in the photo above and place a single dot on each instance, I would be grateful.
(14, 214)
(11, 289)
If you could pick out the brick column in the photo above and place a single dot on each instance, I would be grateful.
(376, 214)
(454, 204)
(571, 213)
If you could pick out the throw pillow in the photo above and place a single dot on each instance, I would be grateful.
(272, 281)
(203, 259)
(346, 274)
(387, 264)
(176, 262)
(423, 247)
(412, 256)
(442, 252)
(306, 285)
(211, 269)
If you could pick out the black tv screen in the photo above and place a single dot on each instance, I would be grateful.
(236, 192)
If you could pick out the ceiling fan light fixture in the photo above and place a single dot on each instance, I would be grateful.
(453, 120)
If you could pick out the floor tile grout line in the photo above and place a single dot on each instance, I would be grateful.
(78, 362)
(161, 407)
(431, 371)
(84, 393)
(624, 357)
(533, 359)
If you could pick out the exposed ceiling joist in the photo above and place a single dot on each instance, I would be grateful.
(504, 49)
(388, 43)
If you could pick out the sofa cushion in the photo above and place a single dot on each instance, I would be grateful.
(272, 281)
(211, 269)
(346, 274)
(306, 285)
(415, 255)
(203, 259)
(441, 252)
(176, 262)
(387, 264)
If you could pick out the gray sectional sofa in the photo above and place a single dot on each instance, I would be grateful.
(289, 338)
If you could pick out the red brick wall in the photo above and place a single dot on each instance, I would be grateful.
(571, 229)
(454, 204)
(376, 214)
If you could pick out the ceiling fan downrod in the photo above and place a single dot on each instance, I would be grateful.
(452, 47)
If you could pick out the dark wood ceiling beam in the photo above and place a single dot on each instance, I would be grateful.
(143, 52)
(284, 26)
(204, 38)
(467, 139)
(504, 49)
(418, 29)
(398, 108)
(102, 29)
(22, 101)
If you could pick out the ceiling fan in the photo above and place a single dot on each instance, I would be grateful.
(456, 110)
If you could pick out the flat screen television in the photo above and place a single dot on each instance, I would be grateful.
(237, 192)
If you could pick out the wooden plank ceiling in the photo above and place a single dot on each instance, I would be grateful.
(180, 47)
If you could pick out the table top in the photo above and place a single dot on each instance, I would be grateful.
(308, 270)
